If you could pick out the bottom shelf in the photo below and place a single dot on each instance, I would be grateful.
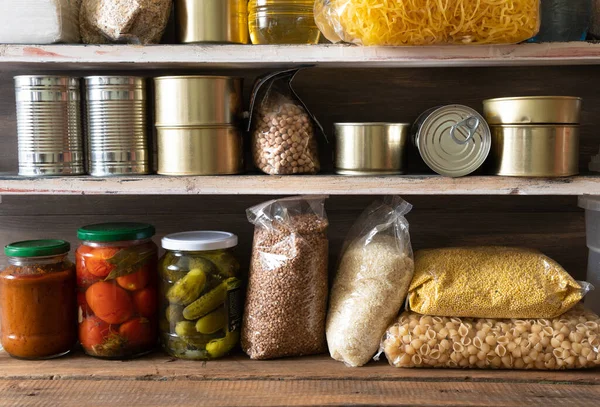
(158, 380)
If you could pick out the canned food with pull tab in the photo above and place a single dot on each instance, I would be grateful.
(453, 140)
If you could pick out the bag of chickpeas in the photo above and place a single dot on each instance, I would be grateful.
(283, 133)
(570, 341)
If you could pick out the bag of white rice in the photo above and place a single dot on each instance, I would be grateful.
(375, 270)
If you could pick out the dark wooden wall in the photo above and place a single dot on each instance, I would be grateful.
(552, 224)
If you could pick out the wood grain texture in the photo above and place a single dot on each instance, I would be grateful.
(223, 56)
(157, 381)
(33, 393)
(292, 185)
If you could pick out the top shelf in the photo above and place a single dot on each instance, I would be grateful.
(59, 57)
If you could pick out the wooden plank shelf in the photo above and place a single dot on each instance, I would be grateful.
(56, 57)
(157, 380)
(289, 185)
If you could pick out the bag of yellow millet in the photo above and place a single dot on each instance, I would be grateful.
(491, 282)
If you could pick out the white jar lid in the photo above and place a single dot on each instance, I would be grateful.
(199, 240)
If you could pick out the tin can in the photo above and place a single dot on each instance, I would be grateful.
(117, 137)
(212, 21)
(370, 148)
(533, 110)
(49, 125)
(198, 100)
(453, 140)
(215, 150)
(535, 151)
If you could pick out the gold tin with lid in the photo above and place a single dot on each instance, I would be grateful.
(198, 100)
(452, 140)
(214, 150)
(212, 21)
(370, 148)
(535, 150)
(533, 110)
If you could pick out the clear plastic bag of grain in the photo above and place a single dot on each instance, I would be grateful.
(492, 282)
(375, 270)
(284, 141)
(286, 300)
(570, 341)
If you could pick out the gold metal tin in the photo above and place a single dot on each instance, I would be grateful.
(370, 148)
(199, 151)
(453, 140)
(198, 101)
(535, 151)
(533, 110)
(213, 21)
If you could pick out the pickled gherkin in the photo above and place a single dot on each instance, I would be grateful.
(188, 289)
(226, 264)
(212, 322)
(201, 301)
(220, 347)
(207, 302)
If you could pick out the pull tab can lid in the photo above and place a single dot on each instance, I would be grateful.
(453, 140)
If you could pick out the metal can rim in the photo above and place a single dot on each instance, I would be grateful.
(161, 78)
(506, 99)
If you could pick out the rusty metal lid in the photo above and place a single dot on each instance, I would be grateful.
(453, 140)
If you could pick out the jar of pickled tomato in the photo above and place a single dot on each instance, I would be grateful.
(117, 290)
(282, 22)
(201, 303)
(37, 300)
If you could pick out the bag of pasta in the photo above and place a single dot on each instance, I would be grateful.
(570, 341)
(492, 282)
(424, 22)
(372, 280)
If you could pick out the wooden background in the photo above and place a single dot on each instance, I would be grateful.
(553, 224)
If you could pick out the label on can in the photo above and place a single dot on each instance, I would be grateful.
(453, 140)
(234, 305)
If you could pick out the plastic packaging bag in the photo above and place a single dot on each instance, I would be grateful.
(287, 285)
(283, 130)
(372, 280)
(423, 22)
(491, 282)
(124, 21)
(571, 341)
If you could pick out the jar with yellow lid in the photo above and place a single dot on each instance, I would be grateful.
(282, 22)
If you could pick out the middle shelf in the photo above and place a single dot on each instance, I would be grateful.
(294, 185)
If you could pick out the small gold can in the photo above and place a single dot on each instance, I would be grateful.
(198, 100)
(215, 150)
(533, 110)
(212, 21)
(535, 150)
(370, 148)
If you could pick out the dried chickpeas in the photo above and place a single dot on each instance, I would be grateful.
(571, 341)
(491, 282)
(284, 140)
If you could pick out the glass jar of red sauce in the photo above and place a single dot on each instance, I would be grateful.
(37, 300)
(117, 290)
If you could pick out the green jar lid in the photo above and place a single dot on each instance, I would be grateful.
(37, 248)
(116, 232)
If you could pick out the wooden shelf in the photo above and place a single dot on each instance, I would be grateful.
(56, 57)
(157, 380)
(290, 185)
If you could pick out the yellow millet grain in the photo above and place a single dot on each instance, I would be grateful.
(575, 345)
(491, 282)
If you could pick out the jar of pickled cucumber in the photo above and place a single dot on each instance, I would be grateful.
(201, 307)
(117, 290)
(282, 22)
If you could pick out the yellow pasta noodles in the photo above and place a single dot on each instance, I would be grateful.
(424, 22)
